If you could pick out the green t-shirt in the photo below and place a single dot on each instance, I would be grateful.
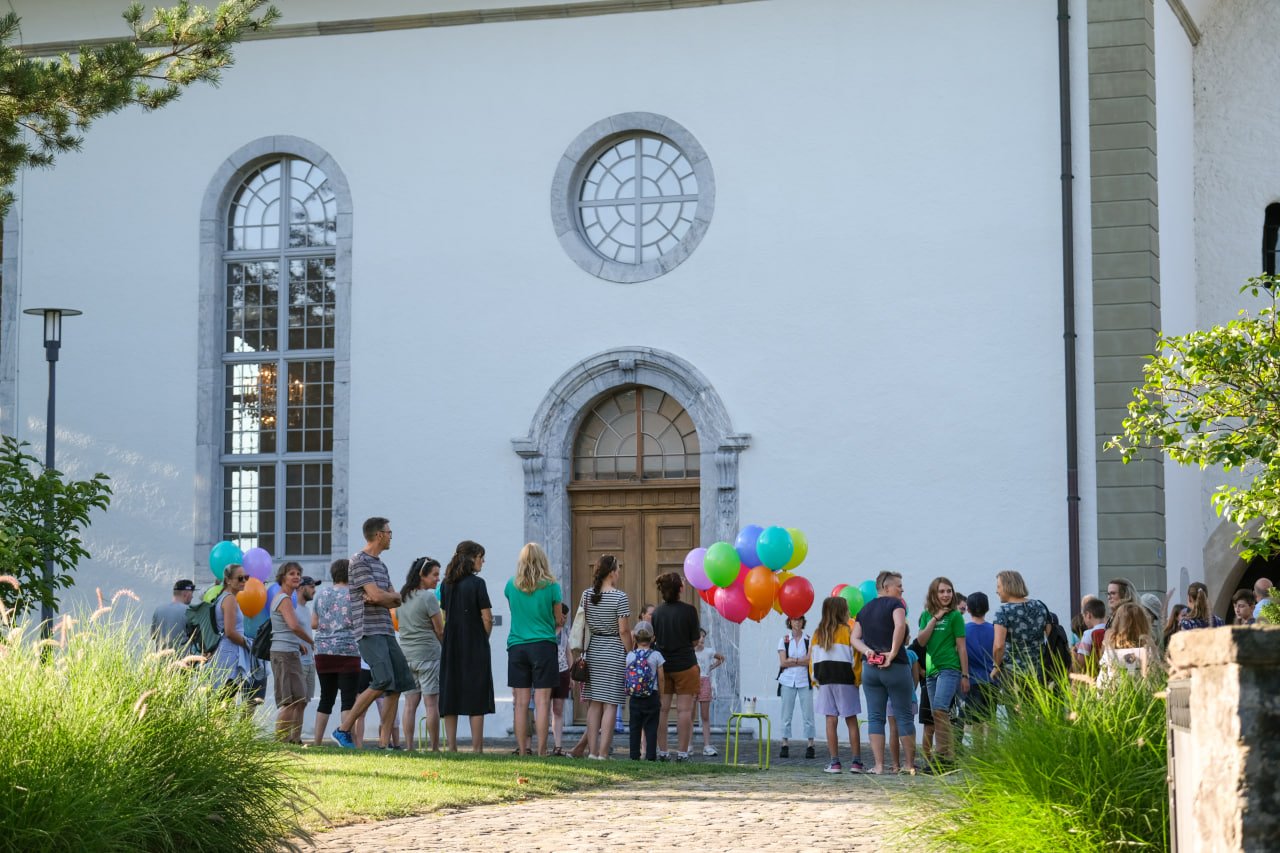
(532, 619)
(941, 650)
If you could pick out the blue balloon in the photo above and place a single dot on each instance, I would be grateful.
(272, 592)
(252, 624)
(868, 590)
(745, 545)
(222, 555)
(775, 547)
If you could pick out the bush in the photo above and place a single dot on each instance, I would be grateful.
(109, 746)
(1082, 770)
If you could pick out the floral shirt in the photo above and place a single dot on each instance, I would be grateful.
(1024, 623)
(332, 608)
(1192, 624)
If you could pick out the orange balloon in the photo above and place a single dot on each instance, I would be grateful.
(252, 598)
(758, 613)
(760, 587)
(395, 620)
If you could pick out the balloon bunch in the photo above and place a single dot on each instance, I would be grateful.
(855, 595)
(749, 578)
(257, 565)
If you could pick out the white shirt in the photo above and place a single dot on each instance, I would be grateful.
(706, 657)
(794, 676)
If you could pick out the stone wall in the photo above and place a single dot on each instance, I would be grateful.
(1234, 676)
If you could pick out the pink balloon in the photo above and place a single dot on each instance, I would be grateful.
(732, 604)
(257, 563)
(694, 571)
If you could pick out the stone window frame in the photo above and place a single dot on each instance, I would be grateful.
(577, 160)
(546, 455)
(226, 180)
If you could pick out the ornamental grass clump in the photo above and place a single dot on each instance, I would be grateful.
(110, 746)
(1080, 770)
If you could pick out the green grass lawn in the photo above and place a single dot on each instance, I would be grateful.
(347, 786)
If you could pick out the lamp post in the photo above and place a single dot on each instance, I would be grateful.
(52, 343)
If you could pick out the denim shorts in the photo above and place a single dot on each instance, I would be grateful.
(943, 689)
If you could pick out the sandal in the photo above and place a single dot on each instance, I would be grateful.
(557, 752)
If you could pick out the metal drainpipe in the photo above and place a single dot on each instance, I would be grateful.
(1069, 307)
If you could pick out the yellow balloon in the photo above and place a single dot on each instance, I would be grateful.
(801, 549)
(783, 577)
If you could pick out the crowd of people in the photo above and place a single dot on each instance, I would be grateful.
(427, 644)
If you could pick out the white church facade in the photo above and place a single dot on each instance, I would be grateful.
(627, 276)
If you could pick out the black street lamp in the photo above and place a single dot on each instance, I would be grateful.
(52, 343)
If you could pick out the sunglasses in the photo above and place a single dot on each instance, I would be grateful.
(239, 578)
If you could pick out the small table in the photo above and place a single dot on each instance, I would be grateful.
(763, 739)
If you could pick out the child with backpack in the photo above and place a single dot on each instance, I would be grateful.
(831, 659)
(644, 674)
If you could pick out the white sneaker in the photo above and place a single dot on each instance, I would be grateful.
(709, 750)
(596, 757)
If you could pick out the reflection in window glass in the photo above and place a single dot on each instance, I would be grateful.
(636, 434)
(278, 354)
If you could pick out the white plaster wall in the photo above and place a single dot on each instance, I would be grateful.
(1237, 170)
(877, 301)
(1185, 526)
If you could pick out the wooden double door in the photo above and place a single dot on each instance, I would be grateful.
(649, 528)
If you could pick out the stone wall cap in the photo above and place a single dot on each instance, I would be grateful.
(1256, 645)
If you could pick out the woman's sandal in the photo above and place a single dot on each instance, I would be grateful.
(557, 752)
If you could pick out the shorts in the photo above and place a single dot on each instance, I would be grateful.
(286, 674)
(427, 674)
(980, 704)
(837, 700)
(561, 690)
(686, 682)
(388, 670)
(704, 689)
(943, 688)
(535, 665)
(309, 680)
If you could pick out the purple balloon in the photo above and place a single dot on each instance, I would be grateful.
(257, 563)
(694, 571)
(745, 545)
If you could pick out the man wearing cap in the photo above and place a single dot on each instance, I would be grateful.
(169, 621)
(306, 592)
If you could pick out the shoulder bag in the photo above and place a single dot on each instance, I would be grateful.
(579, 641)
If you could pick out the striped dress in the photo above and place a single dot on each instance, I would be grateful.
(606, 656)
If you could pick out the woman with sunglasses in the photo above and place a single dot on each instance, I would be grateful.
(232, 663)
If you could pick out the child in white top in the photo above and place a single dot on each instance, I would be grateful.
(708, 659)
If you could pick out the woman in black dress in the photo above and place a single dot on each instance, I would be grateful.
(466, 677)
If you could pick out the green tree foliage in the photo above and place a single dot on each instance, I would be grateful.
(1212, 398)
(42, 515)
(46, 104)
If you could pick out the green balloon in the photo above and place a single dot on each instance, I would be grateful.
(722, 564)
(853, 595)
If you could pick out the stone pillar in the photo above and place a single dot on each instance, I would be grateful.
(1126, 280)
(1232, 790)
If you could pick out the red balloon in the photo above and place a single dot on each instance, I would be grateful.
(796, 597)
(732, 604)
(836, 589)
(708, 595)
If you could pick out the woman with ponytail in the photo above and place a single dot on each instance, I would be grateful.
(1199, 615)
(466, 676)
(608, 618)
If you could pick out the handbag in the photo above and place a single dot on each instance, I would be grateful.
(580, 633)
(579, 671)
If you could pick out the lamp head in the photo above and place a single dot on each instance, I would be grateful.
(53, 322)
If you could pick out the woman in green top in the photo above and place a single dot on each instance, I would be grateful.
(946, 663)
(533, 660)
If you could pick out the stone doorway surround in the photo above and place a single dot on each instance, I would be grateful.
(545, 454)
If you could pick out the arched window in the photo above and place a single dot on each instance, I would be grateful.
(1270, 234)
(638, 433)
(278, 349)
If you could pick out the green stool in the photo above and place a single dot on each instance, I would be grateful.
(421, 737)
(764, 737)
